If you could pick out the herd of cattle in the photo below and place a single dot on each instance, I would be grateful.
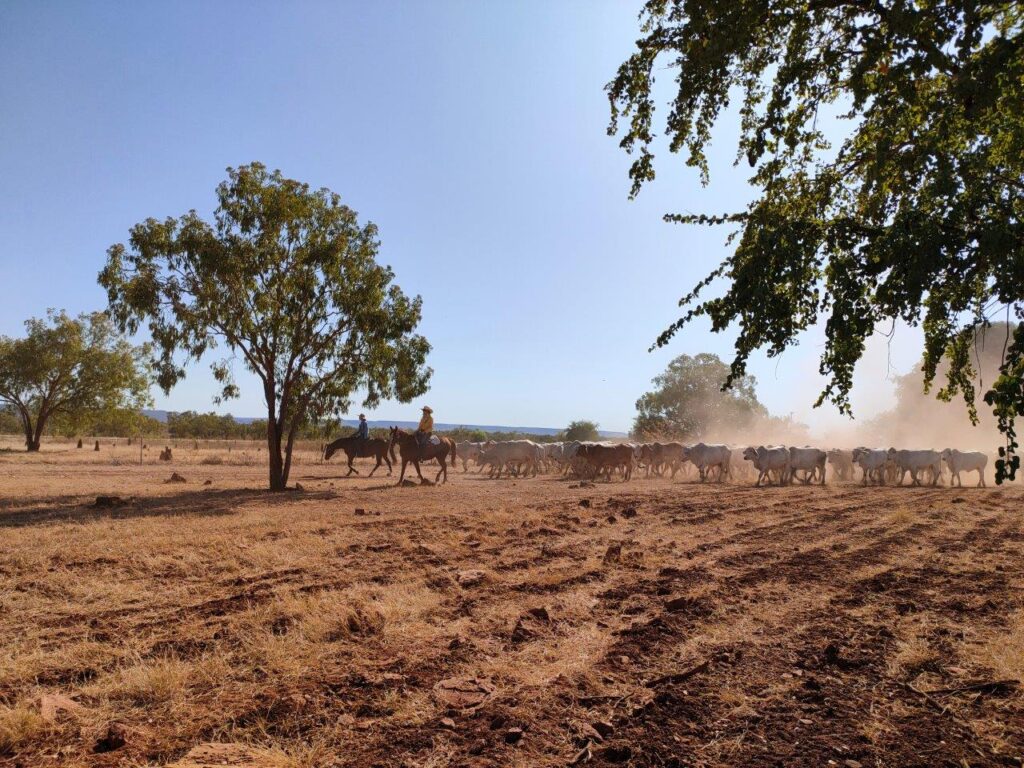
(770, 464)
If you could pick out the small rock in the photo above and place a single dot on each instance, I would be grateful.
(456, 643)
(360, 511)
(629, 512)
(176, 478)
(208, 482)
(463, 692)
(408, 484)
(852, 763)
(299, 487)
(513, 735)
(612, 519)
(447, 722)
(585, 503)
(111, 738)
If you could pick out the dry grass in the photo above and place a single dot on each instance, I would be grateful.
(1004, 653)
(220, 613)
(20, 726)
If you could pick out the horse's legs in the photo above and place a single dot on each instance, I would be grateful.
(376, 467)
(402, 476)
(416, 463)
(351, 468)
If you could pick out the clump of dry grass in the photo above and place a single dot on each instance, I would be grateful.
(914, 654)
(901, 515)
(19, 726)
(213, 460)
(151, 682)
(1005, 654)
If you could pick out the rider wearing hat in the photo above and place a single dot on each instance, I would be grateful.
(362, 431)
(426, 427)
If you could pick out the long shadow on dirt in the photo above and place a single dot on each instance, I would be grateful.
(192, 503)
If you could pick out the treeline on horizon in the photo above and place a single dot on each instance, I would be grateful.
(212, 426)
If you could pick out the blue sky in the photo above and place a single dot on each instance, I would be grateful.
(472, 134)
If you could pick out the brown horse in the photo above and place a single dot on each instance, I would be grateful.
(375, 447)
(410, 450)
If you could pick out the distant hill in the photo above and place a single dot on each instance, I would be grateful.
(440, 427)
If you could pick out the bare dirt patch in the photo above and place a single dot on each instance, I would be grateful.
(502, 623)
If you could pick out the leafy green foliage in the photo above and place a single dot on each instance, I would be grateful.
(110, 422)
(915, 215)
(286, 278)
(73, 369)
(688, 401)
(582, 430)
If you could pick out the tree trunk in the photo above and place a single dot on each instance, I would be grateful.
(38, 437)
(31, 440)
(278, 479)
(288, 453)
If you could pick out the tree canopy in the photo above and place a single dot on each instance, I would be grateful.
(582, 430)
(70, 368)
(688, 401)
(286, 278)
(913, 215)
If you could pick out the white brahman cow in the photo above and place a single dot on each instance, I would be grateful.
(767, 460)
(872, 463)
(810, 461)
(965, 461)
(916, 462)
(706, 457)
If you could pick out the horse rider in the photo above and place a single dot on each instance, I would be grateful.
(426, 428)
(362, 434)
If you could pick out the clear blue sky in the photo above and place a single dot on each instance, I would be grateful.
(471, 133)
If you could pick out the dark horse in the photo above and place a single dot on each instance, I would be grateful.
(410, 450)
(376, 447)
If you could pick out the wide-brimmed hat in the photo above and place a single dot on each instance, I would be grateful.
(428, 409)
(362, 415)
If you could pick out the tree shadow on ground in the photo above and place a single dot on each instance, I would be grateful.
(191, 503)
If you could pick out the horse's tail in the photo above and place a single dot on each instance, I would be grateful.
(454, 457)
(391, 450)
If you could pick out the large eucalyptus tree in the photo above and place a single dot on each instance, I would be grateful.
(286, 278)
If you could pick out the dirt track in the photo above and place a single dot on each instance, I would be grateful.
(682, 625)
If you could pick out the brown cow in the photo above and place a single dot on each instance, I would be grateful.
(607, 458)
